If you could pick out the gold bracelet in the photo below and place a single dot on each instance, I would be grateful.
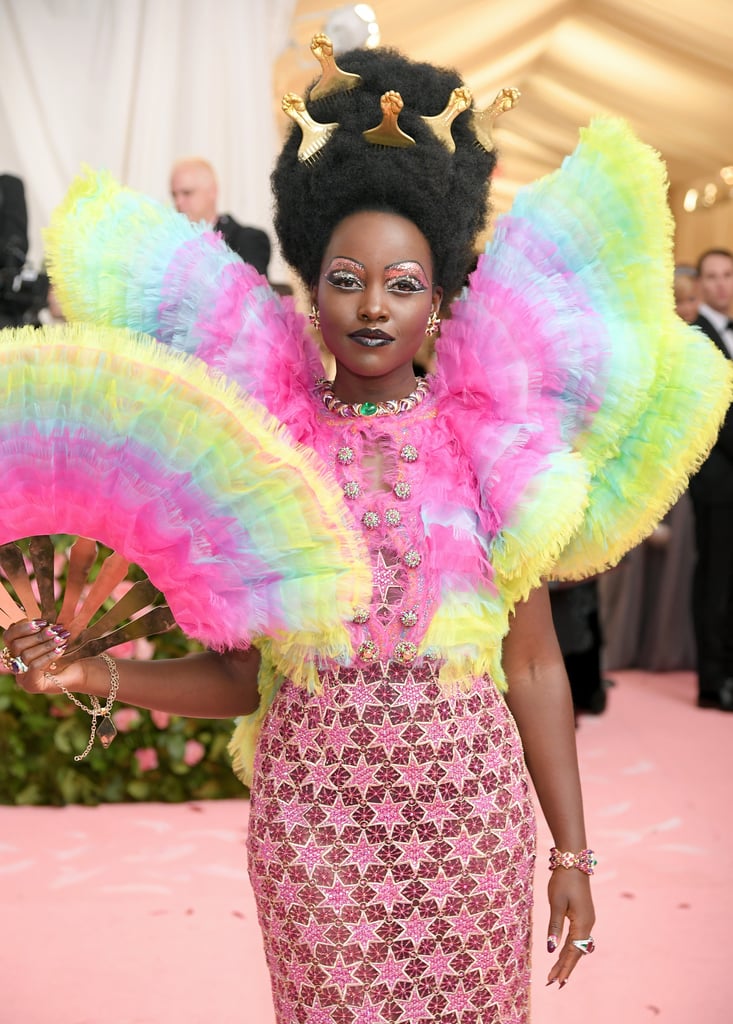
(106, 729)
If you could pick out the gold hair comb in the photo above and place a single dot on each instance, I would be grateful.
(332, 79)
(483, 121)
(458, 101)
(389, 133)
(315, 135)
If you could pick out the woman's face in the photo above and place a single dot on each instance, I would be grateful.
(374, 295)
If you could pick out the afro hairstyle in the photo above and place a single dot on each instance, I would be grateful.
(444, 194)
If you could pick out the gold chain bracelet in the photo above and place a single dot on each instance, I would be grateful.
(106, 729)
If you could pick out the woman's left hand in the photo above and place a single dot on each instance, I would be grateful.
(570, 897)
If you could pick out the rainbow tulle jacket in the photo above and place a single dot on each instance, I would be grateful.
(175, 418)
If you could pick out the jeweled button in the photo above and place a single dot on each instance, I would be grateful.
(411, 558)
(405, 651)
(402, 489)
(360, 616)
(345, 455)
(368, 650)
(393, 517)
(409, 618)
(352, 489)
(371, 520)
(409, 453)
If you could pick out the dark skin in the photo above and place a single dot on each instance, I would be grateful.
(377, 274)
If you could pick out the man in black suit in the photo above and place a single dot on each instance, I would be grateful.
(195, 192)
(711, 490)
(13, 243)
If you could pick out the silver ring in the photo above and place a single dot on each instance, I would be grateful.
(585, 945)
(18, 666)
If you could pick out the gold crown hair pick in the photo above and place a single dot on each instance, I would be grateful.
(458, 101)
(315, 135)
(483, 120)
(332, 79)
(389, 133)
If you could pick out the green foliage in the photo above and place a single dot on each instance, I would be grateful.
(153, 757)
(39, 737)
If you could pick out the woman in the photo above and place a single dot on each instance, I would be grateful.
(392, 836)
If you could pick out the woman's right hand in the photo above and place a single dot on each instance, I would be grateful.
(40, 645)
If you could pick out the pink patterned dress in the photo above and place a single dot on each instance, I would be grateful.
(392, 837)
(391, 842)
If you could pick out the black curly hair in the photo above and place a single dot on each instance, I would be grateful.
(444, 194)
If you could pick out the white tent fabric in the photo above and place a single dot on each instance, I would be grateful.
(665, 66)
(131, 85)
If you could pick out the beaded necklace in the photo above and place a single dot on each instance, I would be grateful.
(324, 388)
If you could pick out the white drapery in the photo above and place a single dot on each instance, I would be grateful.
(130, 86)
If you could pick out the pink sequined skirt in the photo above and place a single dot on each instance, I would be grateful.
(391, 851)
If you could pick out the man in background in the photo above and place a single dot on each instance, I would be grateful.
(22, 290)
(711, 490)
(195, 192)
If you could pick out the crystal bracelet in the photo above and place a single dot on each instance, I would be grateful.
(584, 861)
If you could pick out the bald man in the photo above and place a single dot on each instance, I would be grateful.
(195, 192)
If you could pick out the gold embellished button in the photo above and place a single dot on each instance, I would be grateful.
(371, 520)
(345, 455)
(402, 489)
(360, 616)
(368, 651)
(352, 489)
(409, 618)
(393, 517)
(409, 453)
(412, 558)
(405, 651)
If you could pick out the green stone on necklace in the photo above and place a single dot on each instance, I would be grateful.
(367, 409)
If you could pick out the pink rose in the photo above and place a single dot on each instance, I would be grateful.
(141, 649)
(161, 719)
(144, 649)
(61, 712)
(147, 759)
(193, 752)
(126, 718)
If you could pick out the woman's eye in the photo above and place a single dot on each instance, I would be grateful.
(406, 284)
(342, 279)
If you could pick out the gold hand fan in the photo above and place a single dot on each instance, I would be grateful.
(94, 593)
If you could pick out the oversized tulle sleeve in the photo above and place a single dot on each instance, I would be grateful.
(118, 258)
(111, 436)
(583, 401)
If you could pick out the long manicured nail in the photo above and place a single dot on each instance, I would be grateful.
(551, 943)
(58, 632)
(37, 624)
(563, 983)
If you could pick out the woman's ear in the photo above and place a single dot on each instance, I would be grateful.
(437, 299)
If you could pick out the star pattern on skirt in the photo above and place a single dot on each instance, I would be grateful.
(392, 865)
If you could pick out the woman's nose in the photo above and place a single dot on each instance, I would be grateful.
(372, 306)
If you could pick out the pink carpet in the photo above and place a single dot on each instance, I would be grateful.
(142, 914)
